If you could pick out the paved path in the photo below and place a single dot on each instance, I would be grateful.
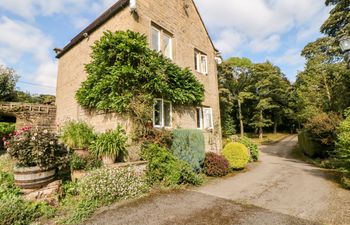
(277, 190)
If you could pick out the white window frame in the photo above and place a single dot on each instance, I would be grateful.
(159, 37)
(162, 125)
(170, 43)
(211, 125)
(199, 68)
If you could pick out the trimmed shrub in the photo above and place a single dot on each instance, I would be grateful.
(253, 148)
(112, 184)
(189, 146)
(236, 154)
(163, 168)
(215, 165)
(77, 134)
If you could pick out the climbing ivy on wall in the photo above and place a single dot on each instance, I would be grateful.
(124, 72)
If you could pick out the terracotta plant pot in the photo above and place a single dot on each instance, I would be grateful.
(82, 152)
(33, 177)
(109, 160)
(78, 174)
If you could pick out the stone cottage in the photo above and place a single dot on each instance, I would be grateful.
(173, 27)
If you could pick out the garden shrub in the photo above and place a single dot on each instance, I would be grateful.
(112, 142)
(112, 184)
(88, 162)
(5, 130)
(189, 146)
(215, 165)
(123, 68)
(322, 128)
(163, 168)
(236, 154)
(253, 148)
(77, 135)
(309, 146)
(342, 152)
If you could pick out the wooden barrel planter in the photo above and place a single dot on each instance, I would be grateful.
(33, 177)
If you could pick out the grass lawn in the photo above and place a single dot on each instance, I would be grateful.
(268, 138)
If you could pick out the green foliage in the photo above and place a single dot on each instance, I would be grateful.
(123, 69)
(108, 185)
(83, 208)
(163, 168)
(8, 80)
(189, 146)
(37, 147)
(342, 152)
(5, 130)
(253, 148)
(323, 128)
(228, 127)
(236, 154)
(88, 162)
(32, 98)
(338, 22)
(309, 146)
(111, 143)
(77, 135)
(215, 165)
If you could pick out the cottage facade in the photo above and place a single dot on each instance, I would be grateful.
(173, 27)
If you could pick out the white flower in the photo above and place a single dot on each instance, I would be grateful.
(45, 131)
(51, 142)
(35, 134)
(33, 138)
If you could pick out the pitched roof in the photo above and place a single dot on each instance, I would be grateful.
(114, 9)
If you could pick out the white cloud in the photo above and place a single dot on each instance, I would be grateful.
(291, 57)
(269, 44)
(263, 21)
(80, 22)
(228, 40)
(19, 39)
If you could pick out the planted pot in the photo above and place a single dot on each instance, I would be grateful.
(33, 177)
(109, 160)
(78, 174)
(82, 152)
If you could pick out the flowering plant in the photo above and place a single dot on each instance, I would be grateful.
(113, 184)
(36, 147)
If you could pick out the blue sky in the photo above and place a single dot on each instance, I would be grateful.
(275, 30)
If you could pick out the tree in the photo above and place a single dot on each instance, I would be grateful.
(8, 80)
(234, 83)
(338, 22)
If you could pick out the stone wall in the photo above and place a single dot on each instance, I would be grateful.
(181, 19)
(35, 115)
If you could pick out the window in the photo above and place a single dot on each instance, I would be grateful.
(200, 62)
(167, 46)
(155, 39)
(162, 113)
(162, 42)
(204, 118)
(207, 118)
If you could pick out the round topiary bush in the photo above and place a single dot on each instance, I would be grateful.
(236, 154)
(215, 165)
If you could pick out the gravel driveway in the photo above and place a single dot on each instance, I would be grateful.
(277, 190)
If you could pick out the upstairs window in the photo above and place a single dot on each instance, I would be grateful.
(162, 42)
(200, 62)
(155, 45)
(162, 113)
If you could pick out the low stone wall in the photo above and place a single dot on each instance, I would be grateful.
(35, 115)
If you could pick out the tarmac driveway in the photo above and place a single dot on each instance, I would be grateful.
(277, 190)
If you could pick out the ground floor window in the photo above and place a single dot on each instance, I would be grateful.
(162, 113)
(204, 118)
